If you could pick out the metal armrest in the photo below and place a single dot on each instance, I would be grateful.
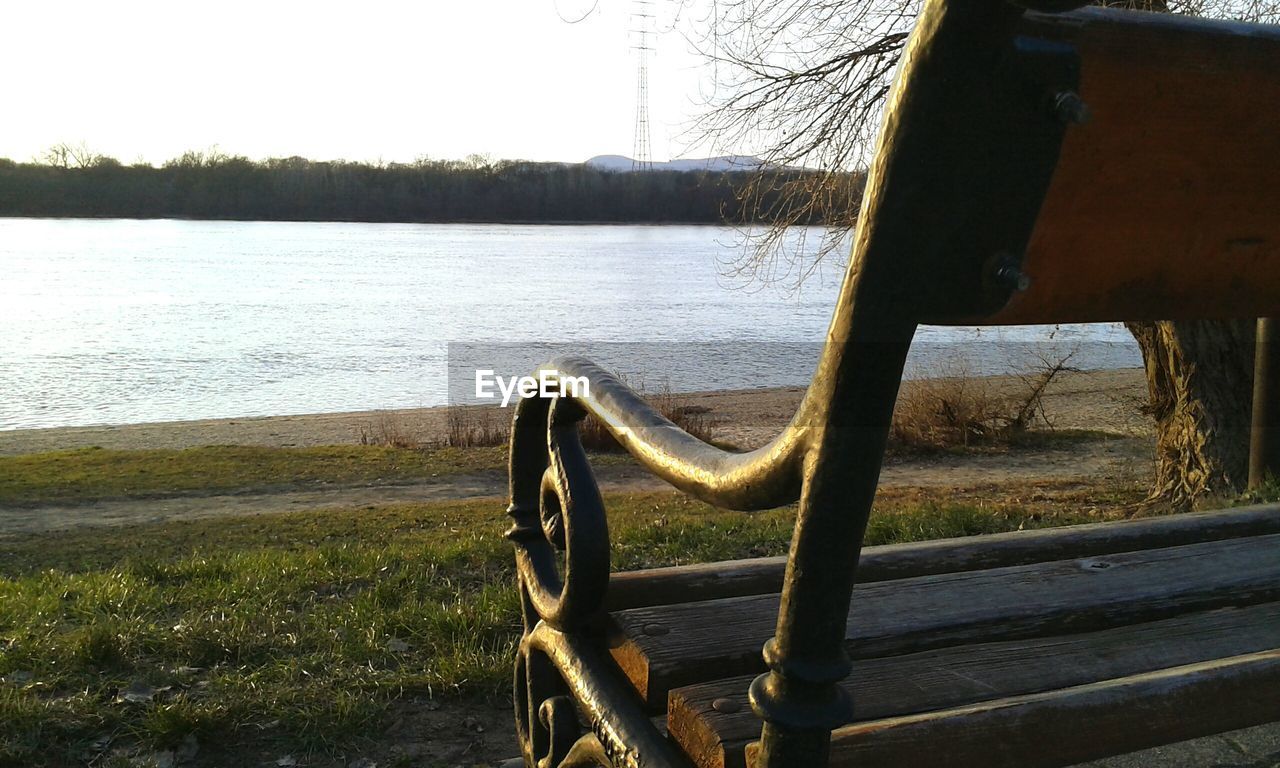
(761, 479)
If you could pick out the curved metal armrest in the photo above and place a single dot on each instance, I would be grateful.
(761, 479)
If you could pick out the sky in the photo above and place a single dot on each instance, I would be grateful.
(389, 80)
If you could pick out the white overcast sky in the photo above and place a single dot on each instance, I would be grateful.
(367, 80)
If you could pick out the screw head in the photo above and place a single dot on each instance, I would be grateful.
(1008, 274)
(1069, 108)
(655, 630)
(726, 706)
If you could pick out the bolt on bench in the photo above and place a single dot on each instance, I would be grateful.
(1032, 167)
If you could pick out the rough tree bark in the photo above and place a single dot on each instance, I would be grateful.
(1200, 390)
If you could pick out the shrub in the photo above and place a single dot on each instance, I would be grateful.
(388, 431)
(476, 426)
(959, 410)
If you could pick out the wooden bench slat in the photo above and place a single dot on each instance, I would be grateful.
(663, 647)
(952, 677)
(762, 576)
(1081, 723)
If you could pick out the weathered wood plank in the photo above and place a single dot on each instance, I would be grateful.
(1163, 204)
(713, 723)
(762, 576)
(1073, 725)
(663, 647)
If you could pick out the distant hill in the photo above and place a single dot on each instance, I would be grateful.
(620, 163)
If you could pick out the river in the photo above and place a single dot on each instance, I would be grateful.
(125, 321)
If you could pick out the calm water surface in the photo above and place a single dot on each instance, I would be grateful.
(120, 321)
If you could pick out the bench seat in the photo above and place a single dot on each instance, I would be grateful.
(899, 697)
(1131, 634)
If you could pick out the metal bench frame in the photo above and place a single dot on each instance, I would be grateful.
(985, 171)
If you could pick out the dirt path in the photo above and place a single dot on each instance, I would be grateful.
(1121, 458)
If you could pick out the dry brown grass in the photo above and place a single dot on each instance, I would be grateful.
(388, 431)
(945, 413)
(476, 426)
(958, 410)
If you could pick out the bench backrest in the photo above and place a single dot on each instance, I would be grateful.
(1164, 203)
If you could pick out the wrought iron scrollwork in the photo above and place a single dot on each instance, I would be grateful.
(829, 456)
(572, 708)
(547, 724)
(560, 531)
(562, 557)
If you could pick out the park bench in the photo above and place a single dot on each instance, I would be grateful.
(1034, 166)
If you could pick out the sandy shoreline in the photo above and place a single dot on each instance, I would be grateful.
(1100, 400)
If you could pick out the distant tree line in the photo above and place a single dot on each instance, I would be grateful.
(71, 181)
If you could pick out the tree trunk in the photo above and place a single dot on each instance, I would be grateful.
(1200, 390)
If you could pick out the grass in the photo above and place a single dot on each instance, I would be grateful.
(93, 474)
(1267, 493)
(294, 621)
(959, 411)
(301, 630)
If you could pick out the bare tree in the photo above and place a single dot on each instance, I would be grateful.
(57, 156)
(803, 82)
(64, 155)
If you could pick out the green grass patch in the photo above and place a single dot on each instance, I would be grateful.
(298, 631)
(92, 474)
(1027, 439)
(1267, 493)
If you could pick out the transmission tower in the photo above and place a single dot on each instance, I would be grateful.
(642, 24)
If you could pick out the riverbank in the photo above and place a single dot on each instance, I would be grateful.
(1092, 434)
(1105, 401)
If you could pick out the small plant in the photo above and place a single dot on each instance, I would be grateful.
(388, 431)
(959, 410)
(476, 426)
(99, 646)
(1267, 493)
